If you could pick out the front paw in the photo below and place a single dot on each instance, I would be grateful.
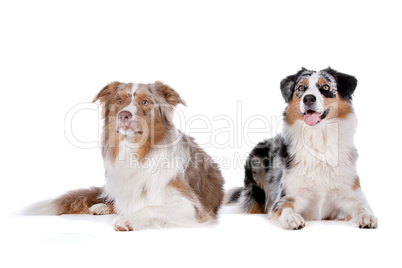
(291, 221)
(122, 224)
(368, 222)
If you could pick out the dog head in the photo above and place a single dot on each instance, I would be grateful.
(317, 96)
(141, 113)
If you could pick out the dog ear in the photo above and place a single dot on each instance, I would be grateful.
(106, 92)
(346, 84)
(288, 85)
(169, 94)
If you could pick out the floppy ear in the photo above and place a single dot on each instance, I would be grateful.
(106, 92)
(346, 84)
(288, 85)
(169, 94)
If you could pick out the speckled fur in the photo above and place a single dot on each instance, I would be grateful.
(155, 175)
(308, 172)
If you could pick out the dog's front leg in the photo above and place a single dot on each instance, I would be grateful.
(181, 213)
(357, 206)
(284, 213)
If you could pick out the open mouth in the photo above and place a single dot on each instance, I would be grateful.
(312, 118)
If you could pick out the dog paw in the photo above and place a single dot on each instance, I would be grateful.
(99, 209)
(368, 222)
(121, 224)
(292, 221)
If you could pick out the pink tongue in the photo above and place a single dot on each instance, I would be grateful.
(311, 119)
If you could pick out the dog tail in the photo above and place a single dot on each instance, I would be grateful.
(73, 202)
(251, 197)
(232, 196)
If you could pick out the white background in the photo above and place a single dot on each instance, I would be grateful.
(219, 55)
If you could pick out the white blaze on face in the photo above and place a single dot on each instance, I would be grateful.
(133, 90)
(312, 113)
(125, 121)
(313, 90)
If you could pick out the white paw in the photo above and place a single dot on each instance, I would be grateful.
(368, 222)
(291, 221)
(122, 224)
(100, 209)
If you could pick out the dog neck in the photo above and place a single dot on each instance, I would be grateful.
(327, 143)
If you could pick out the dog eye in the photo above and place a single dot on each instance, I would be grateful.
(145, 102)
(119, 101)
(300, 87)
(325, 87)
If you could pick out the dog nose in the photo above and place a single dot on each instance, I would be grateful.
(309, 100)
(125, 116)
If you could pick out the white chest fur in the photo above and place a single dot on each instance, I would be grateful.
(134, 184)
(323, 168)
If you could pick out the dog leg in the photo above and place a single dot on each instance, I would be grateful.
(283, 212)
(357, 206)
(290, 220)
(174, 214)
(364, 216)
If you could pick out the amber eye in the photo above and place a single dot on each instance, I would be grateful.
(325, 87)
(145, 102)
(119, 101)
(301, 87)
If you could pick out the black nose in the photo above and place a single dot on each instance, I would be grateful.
(309, 100)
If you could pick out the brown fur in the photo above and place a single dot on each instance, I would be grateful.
(262, 183)
(255, 209)
(108, 97)
(202, 183)
(184, 189)
(204, 178)
(79, 201)
(171, 96)
(322, 82)
(293, 111)
(109, 211)
(339, 108)
(356, 184)
(304, 82)
(288, 203)
(155, 133)
(334, 218)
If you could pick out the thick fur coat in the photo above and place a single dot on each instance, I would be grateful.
(309, 171)
(155, 175)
